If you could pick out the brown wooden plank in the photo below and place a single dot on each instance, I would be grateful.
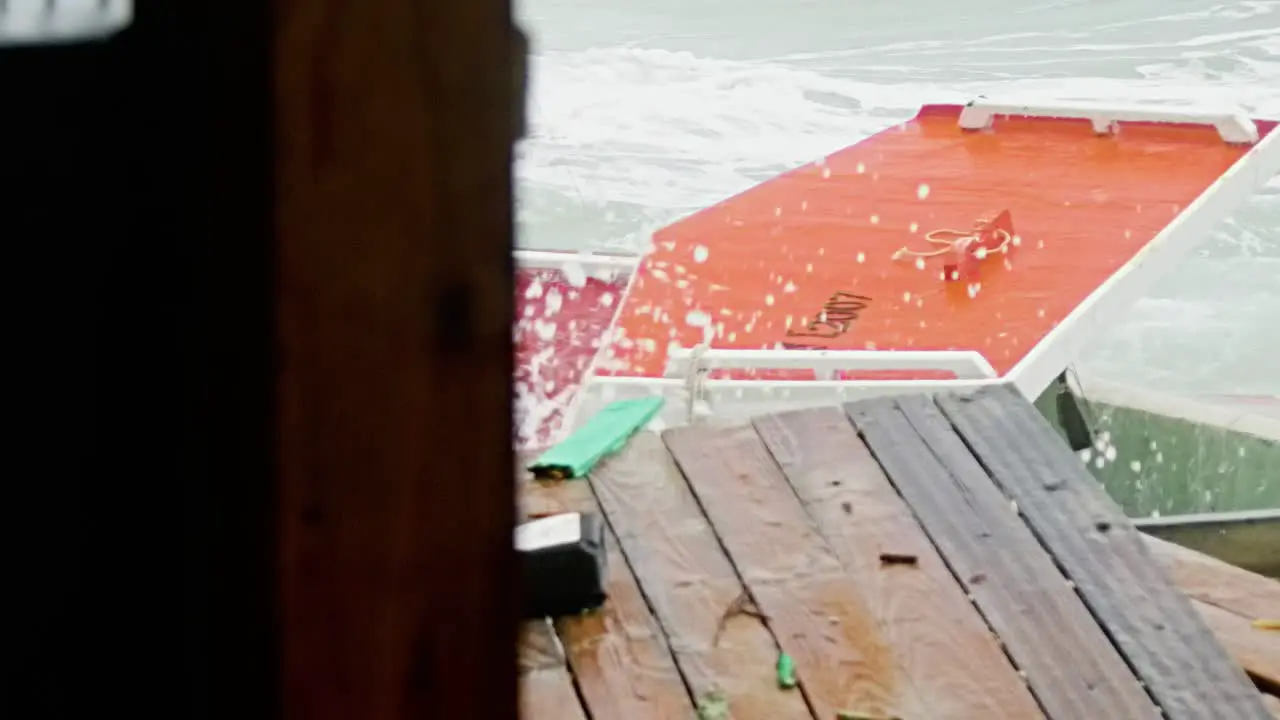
(948, 653)
(1210, 580)
(1069, 663)
(546, 689)
(393, 307)
(1168, 645)
(618, 654)
(843, 660)
(691, 584)
(1254, 649)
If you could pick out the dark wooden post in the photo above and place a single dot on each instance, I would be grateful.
(394, 237)
(258, 274)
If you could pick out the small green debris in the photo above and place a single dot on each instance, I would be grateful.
(713, 706)
(786, 672)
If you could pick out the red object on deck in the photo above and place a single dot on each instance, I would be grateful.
(560, 325)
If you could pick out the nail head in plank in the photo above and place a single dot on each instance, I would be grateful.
(1153, 624)
(617, 653)
(546, 689)
(842, 659)
(1069, 663)
(948, 653)
(690, 583)
(1208, 579)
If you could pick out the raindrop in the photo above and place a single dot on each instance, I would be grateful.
(574, 274)
(700, 253)
(697, 318)
(922, 191)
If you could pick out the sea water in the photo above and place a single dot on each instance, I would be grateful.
(643, 111)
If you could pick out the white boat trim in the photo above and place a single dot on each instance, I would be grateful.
(825, 364)
(1235, 126)
(1060, 347)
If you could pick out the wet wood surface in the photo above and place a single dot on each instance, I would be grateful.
(720, 646)
(545, 686)
(1210, 580)
(843, 660)
(872, 546)
(617, 654)
(1162, 637)
(1047, 631)
(945, 650)
(1254, 649)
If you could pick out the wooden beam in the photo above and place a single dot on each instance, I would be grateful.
(394, 132)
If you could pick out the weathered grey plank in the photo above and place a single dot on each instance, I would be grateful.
(1048, 632)
(1169, 646)
(691, 585)
(947, 652)
(842, 660)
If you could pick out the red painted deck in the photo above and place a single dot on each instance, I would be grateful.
(757, 270)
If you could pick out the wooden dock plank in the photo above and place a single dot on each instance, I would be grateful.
(618, 654)
(1254, 649)
(691, 584)
(843, 661)
(1210, 580)
(546, 689)
(1170, 648)
(948, 653)
(1069, 663)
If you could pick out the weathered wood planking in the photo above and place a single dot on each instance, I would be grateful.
(546, 690)
(690, 583)
(1184, 667)
(1210, 580)
(843, 661)
(948, 654)
(618, 654)
(1273, 705)
(1254, 649)
(1069, 663)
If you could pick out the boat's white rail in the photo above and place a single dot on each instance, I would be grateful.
(692, 398)
(1119, 292)
(588, 262)
(826, 364)
(1233, 125)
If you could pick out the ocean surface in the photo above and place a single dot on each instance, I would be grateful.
(643, 111)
